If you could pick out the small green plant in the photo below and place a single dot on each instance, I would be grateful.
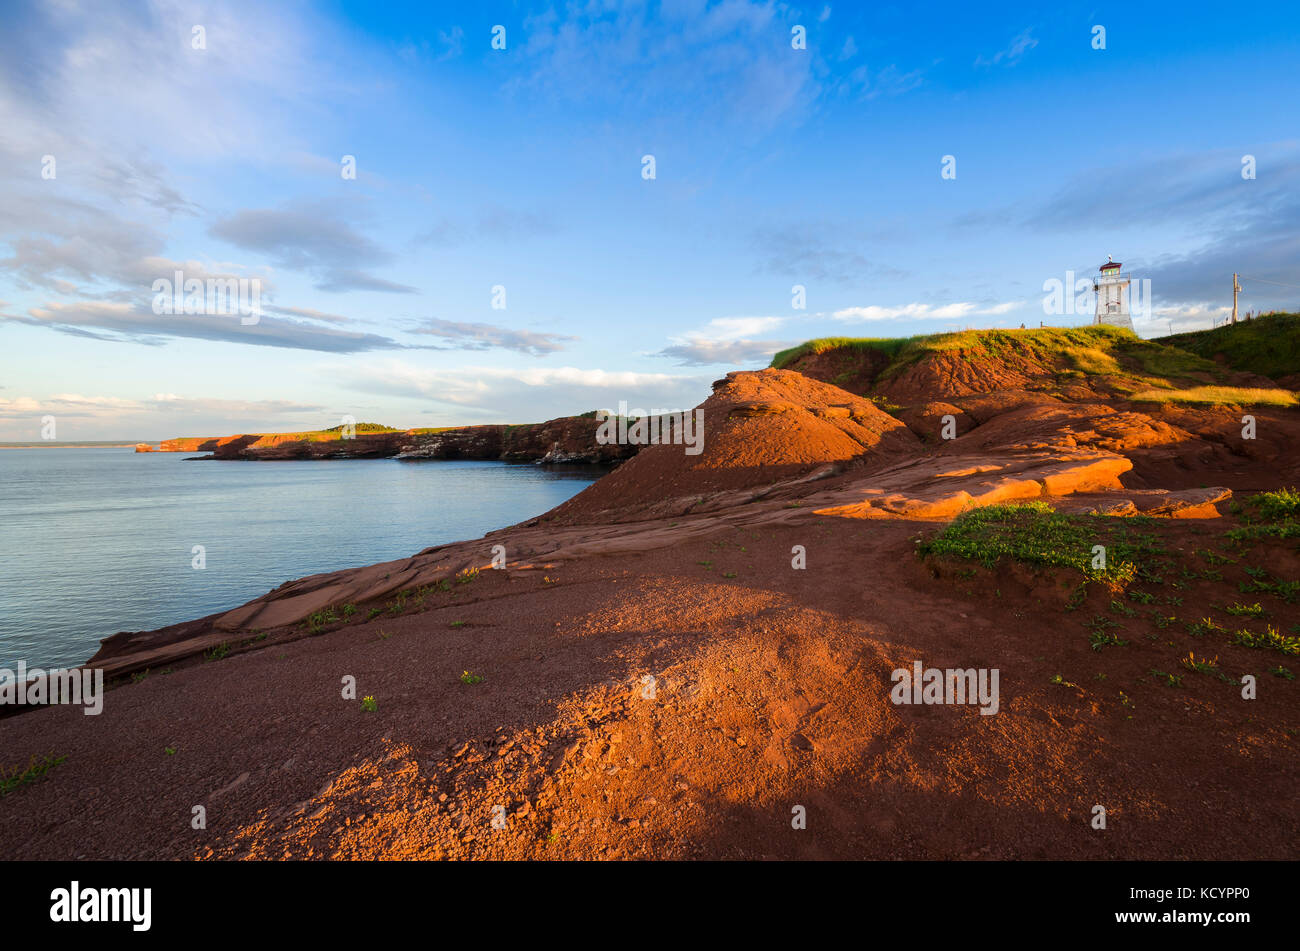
(1204, 626)
(470, 679)
(12, 779)
(1282, 504)
(457, 624)
(1119, 607)
(728, 574)
(1288, 591)
(137, 677)
(169, 750)
(374, 612)
(1101, 634)
(1141, 597)
(317, 620)
(1169, 680)
(1268, 515)
(1280, 671)
(1200, 666)
(1245, 610)
(1061, 681)
(349, 610)
(369, 704)
(466, 576)
(1271, 639)
(218, 652)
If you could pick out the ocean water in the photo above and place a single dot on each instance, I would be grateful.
(96, 541)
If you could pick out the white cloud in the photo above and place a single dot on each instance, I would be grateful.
(726, 341)
(1183, 317)
(496, 394)
(917, 311)
(737, 328)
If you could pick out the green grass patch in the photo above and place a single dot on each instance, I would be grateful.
(1261, 580)
(1268, 345)
(1268, 515)
(890, 346)
(1059, 354)
(1218, 396)
(1036, 534)
(13, 779)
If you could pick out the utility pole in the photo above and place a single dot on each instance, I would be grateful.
(1235, 287)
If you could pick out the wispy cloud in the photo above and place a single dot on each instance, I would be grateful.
(717, 63)
(136, 323)
(820, 251)
(1011, 54)
(917, 311)
(155, 416)
(312, 237)
(474, 336)
(489, 394)
(493, 223)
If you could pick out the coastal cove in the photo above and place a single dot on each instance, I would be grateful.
(98, 541)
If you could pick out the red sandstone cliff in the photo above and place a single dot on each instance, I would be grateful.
(567, 439)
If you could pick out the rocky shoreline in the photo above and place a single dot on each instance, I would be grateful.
(569, 439)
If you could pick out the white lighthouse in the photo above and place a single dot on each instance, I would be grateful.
(1111, 288)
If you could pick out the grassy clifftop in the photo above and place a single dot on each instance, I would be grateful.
(1108, 360)
(1267, 345)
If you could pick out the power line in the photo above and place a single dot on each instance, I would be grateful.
(1260, 280)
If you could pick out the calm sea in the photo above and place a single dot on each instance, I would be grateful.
(96, 541)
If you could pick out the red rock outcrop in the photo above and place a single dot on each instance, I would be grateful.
(569, 439)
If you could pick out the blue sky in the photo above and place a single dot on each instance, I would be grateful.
(522, 168)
